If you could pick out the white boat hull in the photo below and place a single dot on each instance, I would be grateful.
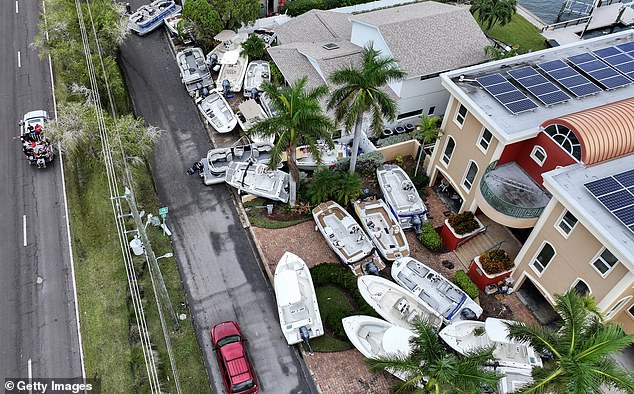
(383, 228)
(258, 180)
(401, 195)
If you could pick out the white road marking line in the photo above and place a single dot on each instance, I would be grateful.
(16, 6)
(24, 228)
(30, 372)
(19, 60)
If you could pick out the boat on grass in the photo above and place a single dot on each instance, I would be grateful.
(347, 239)
(296, 300)
(395, 304)
(258, 72)
(467, 335)
(383, 228)
(217, 161)
(194, 72)
(435, 290)
(217, 112)
(150, 16)
(259, 180)
(401, 196)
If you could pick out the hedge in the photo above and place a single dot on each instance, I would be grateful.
(429, 237)
(462, 280)
(367, 163)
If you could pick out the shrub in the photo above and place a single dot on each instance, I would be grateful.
(462, 280)
(298, 7)
(496, 261)
(421, 180)
(366, 163)
(463, 223)
(430, 238)
(394, 139)
(334, 185)
(337, 275)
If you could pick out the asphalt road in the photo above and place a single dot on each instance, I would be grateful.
(37, 320)
(216, 258)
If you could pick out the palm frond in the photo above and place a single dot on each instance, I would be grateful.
(610, 374)
(541, 338)
(608, 339)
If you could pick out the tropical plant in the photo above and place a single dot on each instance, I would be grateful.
(492, 12)
(462, 280)
(340, 186)
(498, 54)
(236, 13)
(463, 223)
(366, 163)
(204, 20)
(495, 261)
(581, 350)
(299, 117)
(359, 92)
(428, 128)
(431, 366)
(254, 48)
(429, 237)
(298, 7)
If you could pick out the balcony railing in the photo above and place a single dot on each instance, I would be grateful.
(503, 206)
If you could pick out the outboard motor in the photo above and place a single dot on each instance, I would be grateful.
(416, 223)
(467, 314)
(203, 91)
(255, 93)
(305, 335)
(370, 268)
(225, 87)
(212, 60)
(197, 167)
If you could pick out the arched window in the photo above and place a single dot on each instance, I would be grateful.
(543, 258)
(470, 175)
(581, 287)
(617, 307)
(449, 148)
(565, 138)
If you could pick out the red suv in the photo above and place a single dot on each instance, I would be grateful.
(237, 371)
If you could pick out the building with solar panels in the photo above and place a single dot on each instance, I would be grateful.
(543, 144)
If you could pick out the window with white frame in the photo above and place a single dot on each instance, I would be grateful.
(543, 258)
(461, 115)
(470, 175)
(604, 262)
(538, 155)
(431, 111)
(581, 287)
(567, 222)
(485, 139)
(565, 138)
(449, 148)
(617, 307)
(630, 310)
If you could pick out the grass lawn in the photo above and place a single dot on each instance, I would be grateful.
(332, 302)
(258, 216)
(519, 32)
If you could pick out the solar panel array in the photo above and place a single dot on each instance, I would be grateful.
(539, 86)
(599, 71)
(616, 193)
(506, 93)
(569, 78)
(618, 59)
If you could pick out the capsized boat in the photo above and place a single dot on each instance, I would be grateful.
(383, 228)
(194, 72)
(401, 196)
(217, 112)
(296, 300)
(259, 180)
(329, 156)
(466, 335)
(395, 304)
(435, 290)
(258, 72)
(150, 16)
(377, 338)
(234, 67)
(347, 239)
(217, 161)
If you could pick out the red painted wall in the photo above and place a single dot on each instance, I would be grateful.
(520, 152)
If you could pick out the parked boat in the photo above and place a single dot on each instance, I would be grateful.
(435, 290)
(234, 67)
(296, 300)
(513, 379)
(217, 161)
(258, 72)
(230, 41)
(267, 35)
(395, 304)
(217, 112)
(194, 72)
(265, 102)
(150, 16)
(329, 156)
(347, 239)
(249, 113)
(401, 196)
(259, 180)
(384, 231)
(377, 338)
(467, 335)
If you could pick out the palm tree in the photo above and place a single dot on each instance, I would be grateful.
(490, 12)
(359, 92)
(431, 366)
(299, 118)
(253, 48)
(428, 128)
(580, 349)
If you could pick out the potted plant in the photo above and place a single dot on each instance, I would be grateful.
(490, 267)
(458, 228)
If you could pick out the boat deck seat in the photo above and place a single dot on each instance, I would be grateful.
(363, 332)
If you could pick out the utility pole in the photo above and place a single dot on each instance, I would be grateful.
(152, 261)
